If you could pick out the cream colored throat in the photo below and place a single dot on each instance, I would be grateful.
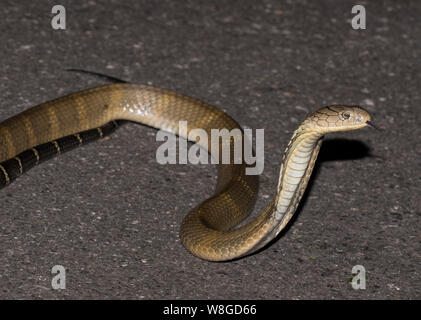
(295, 165)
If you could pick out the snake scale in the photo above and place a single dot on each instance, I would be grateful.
(209, 231)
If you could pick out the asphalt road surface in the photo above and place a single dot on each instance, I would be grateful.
(109, 213)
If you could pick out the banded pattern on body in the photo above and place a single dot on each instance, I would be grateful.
(209, 231)
(18, 165)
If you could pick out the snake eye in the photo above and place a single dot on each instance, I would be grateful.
(346, 115)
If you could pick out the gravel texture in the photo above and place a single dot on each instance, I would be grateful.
(109, 213)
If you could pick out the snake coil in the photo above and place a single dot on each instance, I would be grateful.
(208, 231)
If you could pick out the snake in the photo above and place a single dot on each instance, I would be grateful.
(216, 229)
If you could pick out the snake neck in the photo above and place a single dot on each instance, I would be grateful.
(296, 166)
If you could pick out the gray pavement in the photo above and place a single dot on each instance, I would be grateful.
(109, 213)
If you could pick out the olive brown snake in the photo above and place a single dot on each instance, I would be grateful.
(208, 231)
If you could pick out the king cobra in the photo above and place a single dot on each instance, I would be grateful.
(209, 231)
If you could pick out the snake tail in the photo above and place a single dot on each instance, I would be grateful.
(21, 163)
(98, 75)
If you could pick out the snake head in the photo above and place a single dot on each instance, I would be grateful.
(339, 118)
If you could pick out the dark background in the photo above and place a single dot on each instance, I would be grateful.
(110, 213)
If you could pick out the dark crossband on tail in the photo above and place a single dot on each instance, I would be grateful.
(15, 167)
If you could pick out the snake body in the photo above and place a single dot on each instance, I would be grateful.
(208, 231)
